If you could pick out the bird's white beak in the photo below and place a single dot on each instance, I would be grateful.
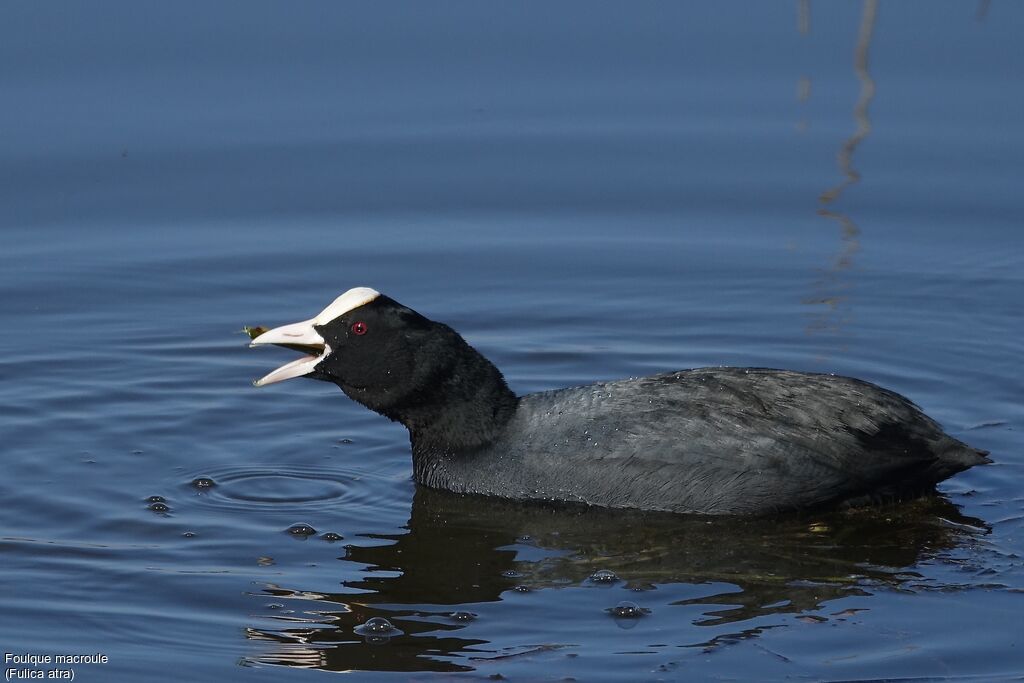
(300, 336)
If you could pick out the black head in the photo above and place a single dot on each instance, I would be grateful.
(384, 354)
(400, 364)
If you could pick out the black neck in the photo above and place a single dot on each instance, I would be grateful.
(461, 407)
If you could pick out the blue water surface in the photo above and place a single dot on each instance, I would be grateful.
(586, 192)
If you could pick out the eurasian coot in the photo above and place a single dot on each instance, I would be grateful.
(710, 440)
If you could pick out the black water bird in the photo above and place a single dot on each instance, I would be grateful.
(710, 440)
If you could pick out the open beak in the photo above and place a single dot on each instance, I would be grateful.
(299, 336)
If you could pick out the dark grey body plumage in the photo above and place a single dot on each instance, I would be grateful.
(709, 440)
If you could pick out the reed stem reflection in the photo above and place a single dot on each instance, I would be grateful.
(832, 287)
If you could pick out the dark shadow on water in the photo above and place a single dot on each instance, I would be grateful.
(461, 551)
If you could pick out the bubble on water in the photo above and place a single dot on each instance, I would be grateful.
(377, 630)
(604, 577)
(331, 537)
(160, 507)
(511, 574)
(522, 588)
(203, 483)
(378, 625)
(189, 534)
(156, 499)
(301, 530)
(462, 616)
(627, 610)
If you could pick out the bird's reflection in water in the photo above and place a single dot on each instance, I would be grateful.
(464, 550)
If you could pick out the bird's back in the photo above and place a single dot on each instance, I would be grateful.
(714, 440)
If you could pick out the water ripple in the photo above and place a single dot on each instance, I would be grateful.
(291, 487)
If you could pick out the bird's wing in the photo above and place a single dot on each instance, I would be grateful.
(735, 440)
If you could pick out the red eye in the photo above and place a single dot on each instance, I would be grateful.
(359, 328)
